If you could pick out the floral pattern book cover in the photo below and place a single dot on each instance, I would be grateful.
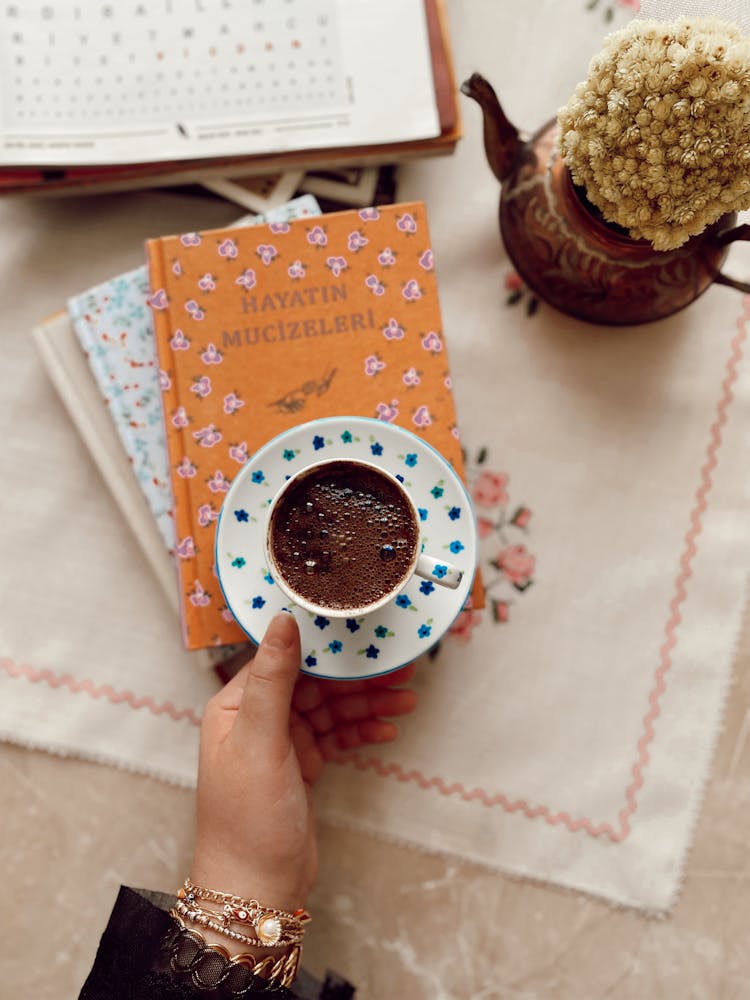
(261, 329)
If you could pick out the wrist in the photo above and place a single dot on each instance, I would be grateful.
(281, 890)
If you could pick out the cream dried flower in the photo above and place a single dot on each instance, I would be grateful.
(659, 132)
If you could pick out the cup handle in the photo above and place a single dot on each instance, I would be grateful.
(439, 571)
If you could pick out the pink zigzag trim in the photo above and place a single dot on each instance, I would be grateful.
(665, 653)
(498, 799)
(98, 691)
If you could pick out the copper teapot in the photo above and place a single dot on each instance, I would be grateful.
(568, 255)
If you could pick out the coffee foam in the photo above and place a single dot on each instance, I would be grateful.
(343, 536)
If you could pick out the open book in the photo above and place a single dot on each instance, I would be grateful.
(97, 92)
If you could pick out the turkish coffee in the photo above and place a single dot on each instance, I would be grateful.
(343, 536)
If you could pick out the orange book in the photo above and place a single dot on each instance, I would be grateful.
(261, 329)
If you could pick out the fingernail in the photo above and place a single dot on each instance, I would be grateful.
(280, 633)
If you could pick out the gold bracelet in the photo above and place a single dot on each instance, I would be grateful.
(271, 925)
(281, 970)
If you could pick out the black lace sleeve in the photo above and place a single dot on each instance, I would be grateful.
(132, 962)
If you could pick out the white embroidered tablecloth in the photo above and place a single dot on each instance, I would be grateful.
(565, 736)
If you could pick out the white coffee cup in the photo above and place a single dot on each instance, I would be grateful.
(439, 571)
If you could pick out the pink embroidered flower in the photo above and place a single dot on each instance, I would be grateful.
(411, 291)
(227, 615)
(228, 248)
(207, 283)
(521, 517)
(208, 436)
(186, 548)
(232, 403)
(369, 214)
(199, 598)
(206, 514)
(211, 356)
(466, 622)
(186, 469)
(631, 4)
(406, 223)
(356, 241)
(317, 236)
(517, 565)
(500, 611)
(176, 268)
(179, 341)
(411, 377)
(387, 257)
(392, 331)
(456, 433)
(165, 382)
(190, 239)
(238, 452)
(336, 265)
(432, 342)
(267, 252)
(485, 527)
(490, 489)
(296, 269)
(387, 412)
(373, 365)
(374, 284)
(218, 483)
(513, 282)
(159, 299)
(448, 382)
(427, 260)
(422, 417)
(247, 279)
(180, 418)
(201, 387)
(279, 227)
(192, 307)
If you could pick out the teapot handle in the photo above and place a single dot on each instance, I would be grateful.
(729, 236)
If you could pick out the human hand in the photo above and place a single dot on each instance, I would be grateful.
(264, 739)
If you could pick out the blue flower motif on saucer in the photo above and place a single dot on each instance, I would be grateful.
(239, 562)
(257, 476)
(456, 546)
(376, 448)
(242, 515)
(289, 454)
(372, 652)
(403, 601)
(411, 459)
(335, 646)
(424, 630)
(322, 622)
(346, 437)
(258, 602)
(422, 511)
(426, 587)
(454, 513)
(310, 661)
(319, 442)
(440, 571)
(381, 631)
(352, 624)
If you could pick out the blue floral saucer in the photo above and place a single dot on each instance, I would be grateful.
(348, 648)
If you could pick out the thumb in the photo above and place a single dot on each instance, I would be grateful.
(264, 709)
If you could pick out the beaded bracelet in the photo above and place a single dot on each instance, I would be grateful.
(272, 926)
(209, 966)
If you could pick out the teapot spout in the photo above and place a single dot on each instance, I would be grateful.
(502, 142)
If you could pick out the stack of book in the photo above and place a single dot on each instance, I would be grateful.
(105, 96)
(177, 372)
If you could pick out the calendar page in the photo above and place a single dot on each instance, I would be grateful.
(88, 82)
